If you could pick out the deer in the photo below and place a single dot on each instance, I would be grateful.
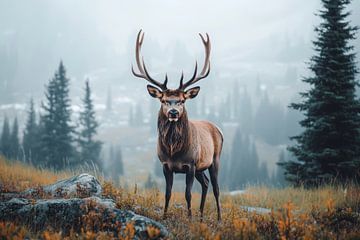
(184, 146)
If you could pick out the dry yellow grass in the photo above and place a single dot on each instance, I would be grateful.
(305, 199)
(15, 176)
(329, 212)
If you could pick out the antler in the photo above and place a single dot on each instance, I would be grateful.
(141, 65)
(206, 69)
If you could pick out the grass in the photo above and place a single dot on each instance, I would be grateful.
(16, 177)
(329, 212)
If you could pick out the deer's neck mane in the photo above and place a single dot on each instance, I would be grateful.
(174, 137)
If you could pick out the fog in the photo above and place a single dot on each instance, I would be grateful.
(260, 48)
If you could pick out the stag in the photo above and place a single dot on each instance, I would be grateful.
(184, 146)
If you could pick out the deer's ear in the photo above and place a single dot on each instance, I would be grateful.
(154, 92)
(192, 92)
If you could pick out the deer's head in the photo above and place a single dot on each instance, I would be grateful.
(172, 100)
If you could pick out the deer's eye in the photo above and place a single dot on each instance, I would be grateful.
(179, 103)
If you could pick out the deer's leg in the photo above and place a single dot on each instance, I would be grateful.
(169, 177)
(204, 181)
(190, 175)
(213, 170)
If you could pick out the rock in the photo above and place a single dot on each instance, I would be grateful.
(92, 213)
(236, 192)
(83, 185)
(258, 210)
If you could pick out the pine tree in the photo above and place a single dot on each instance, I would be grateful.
(150, 183)
(329, 146)
(269, 121)
(48, 138)
(225, 111)
(158, 168)
(5, 147)
(279, 176)
(57, 139)
(39, 156)
(30, 135)
(262, 174)
(244, 162)
(116, 165)
(235, 101)
(14, 141)
(89, 147)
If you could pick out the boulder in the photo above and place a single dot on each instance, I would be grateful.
(92, 213)
(74, 204)
(83, 185)
(257, 210)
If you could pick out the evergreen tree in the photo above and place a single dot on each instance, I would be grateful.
(244, 168)
(158, 168)
(30, 136)
(225, 110)
(235, 178)
(14, 140)
(89, 147)
(136, 116)
(116, 164)
(48, 138)
(5, 139)
(213, 117)
(329, 146)
(263, 175)
(279, 176)
(224, 174)
(292, 119)
(150, 183)
(57, 139)
(235, 101)
(270, 121)
(39, 155)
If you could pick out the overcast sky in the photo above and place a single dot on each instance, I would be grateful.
(247, 36)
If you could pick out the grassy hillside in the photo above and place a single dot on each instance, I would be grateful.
(329, 212)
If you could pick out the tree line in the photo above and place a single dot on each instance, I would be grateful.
(51, 139)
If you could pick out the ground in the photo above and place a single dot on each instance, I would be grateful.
(329, 212)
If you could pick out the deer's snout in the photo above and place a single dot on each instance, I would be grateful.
(173, 114)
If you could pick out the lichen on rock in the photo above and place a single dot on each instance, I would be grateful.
(88, 211)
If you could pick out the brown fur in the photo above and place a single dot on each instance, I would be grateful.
(184, 139)
(173, 136)
(189, 147)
